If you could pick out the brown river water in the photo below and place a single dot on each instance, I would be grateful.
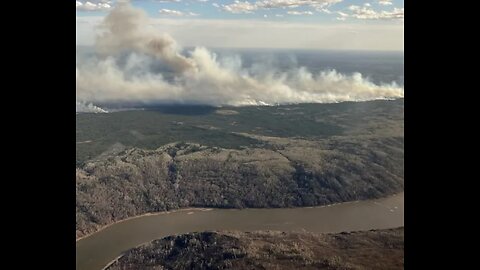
(97, 250)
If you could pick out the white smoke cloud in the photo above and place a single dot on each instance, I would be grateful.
(139, 65)
(83, 107)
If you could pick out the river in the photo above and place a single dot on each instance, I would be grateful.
(97, 250)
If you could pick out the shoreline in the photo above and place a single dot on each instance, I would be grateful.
(144, 215)
(113, 261)
(210, 209)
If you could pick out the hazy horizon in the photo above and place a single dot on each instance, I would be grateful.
(316, 24)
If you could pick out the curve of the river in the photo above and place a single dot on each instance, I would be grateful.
(97, 250)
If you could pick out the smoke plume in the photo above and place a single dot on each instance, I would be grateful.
(133, 63)
(83, 107)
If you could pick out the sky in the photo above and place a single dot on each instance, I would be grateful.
(287, 24)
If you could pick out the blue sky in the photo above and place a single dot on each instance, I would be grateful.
(317, 11)
(380, 20)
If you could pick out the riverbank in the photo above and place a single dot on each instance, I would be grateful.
(210, 209)
(97, 250)
(143, 215)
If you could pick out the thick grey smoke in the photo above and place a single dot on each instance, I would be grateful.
(126, 29)
(129, 54)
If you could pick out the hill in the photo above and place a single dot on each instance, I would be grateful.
(376, 249)
(302, 155)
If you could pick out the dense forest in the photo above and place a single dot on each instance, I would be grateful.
(376, 249)
(363, 161)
